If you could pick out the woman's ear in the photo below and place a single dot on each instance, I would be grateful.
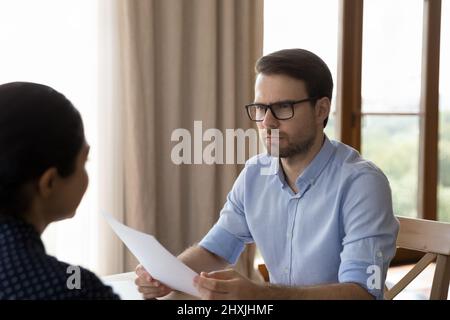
(323, 106)
(46, 183)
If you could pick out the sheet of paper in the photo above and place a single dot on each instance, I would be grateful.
(159, 262)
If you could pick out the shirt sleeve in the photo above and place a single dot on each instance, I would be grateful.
(370, 232)
(227, 238)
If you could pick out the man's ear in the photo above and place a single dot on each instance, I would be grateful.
(46, 183)
(323, 106)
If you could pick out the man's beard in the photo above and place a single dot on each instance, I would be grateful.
(300, 148)
(292, 149)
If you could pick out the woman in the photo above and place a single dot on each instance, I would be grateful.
(43, 153)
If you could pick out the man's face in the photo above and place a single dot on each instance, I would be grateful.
(296, 135)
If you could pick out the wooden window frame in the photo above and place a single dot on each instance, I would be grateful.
(348, 103)
(429, 107)
(348, 97)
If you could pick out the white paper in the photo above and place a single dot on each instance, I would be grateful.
(159, 262)
(123, 285)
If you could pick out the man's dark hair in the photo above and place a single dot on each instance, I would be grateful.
(39, 129)
(302, 65)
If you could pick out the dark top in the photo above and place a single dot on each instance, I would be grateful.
(27, 272)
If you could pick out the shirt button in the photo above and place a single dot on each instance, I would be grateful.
(379, 254)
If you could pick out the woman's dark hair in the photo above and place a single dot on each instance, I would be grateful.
(39, 129)
(302, 65)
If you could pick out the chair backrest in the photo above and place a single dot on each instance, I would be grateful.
(433, 238)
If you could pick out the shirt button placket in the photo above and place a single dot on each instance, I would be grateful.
(291, 217)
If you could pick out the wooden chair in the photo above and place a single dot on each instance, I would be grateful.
(433, 238)
(264, 272)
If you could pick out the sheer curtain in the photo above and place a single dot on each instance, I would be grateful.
(54, 42)
(72, 46)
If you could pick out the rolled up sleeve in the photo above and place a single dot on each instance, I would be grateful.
(227, 238)
(370, 232)
(223, 243)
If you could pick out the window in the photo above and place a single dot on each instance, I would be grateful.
(391, 85)
(444, 117)
(54, 42)
(305, 24)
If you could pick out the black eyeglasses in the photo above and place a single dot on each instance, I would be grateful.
(282, 110)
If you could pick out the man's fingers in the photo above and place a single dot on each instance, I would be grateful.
(141, 281)
(139, 269)
(211, 284)
(227, 274)
(153, 292)
(206, 294)
(218, 281)
(147, 290)
(142, 273)
(144, 282)
(150, 284)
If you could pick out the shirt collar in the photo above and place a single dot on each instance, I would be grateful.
(312, 171)
(315, 168)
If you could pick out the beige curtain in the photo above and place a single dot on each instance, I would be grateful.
(183, 61)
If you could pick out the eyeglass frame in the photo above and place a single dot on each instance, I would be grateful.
(269, 106)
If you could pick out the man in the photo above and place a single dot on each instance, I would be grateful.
(322, 219)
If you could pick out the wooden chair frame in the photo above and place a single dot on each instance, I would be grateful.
(433, 238)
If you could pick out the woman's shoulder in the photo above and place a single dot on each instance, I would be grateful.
(28, 272)
(76, 282)
(44, 277)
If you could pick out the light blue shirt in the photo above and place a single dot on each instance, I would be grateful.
(339, 228)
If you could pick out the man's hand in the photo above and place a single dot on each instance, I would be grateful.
(148, 286)
(226, 285)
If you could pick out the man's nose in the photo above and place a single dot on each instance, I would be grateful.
(269, 120)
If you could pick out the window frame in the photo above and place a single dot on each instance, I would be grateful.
(348, 103)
